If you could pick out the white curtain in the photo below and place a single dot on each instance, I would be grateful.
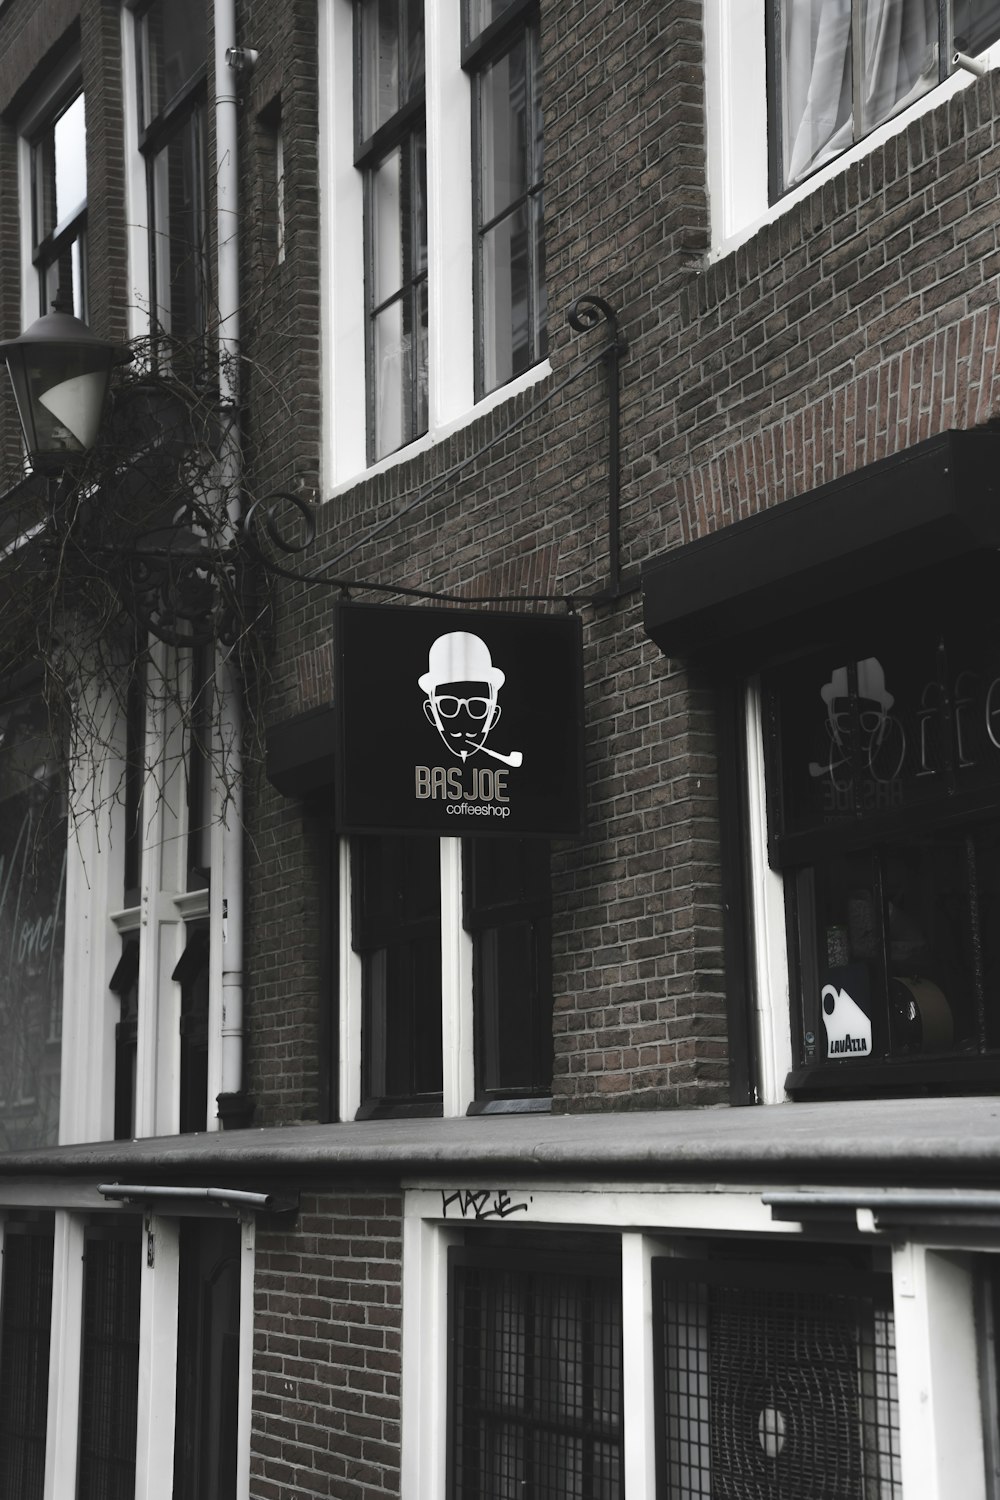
(822, 111)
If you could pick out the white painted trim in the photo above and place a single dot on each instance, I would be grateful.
(451, 377)
(767, 917)
(342, 331)
(62, 1432)
(136, 206)
(736, 99)
(424, 1404)
(164, 876)
(157, 1395)
(244, 1399)
(349, 976)
(437, 435)
(457, 1043)
(94, 879)
(638, 1402)
(738, 1211)
(940, 1414)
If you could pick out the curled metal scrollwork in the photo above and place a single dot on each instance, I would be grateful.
(588, 311)
(266, 513)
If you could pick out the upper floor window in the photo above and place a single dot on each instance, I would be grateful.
(59, 209)
(171, 49)
(431, 203)
(501, 54)
(392, 158)
(794, 85)
(53, 196)
(842, 68)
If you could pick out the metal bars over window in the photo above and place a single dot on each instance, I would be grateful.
(391, 153)
(109, 1372)
(774, 1383)
(535, 1387)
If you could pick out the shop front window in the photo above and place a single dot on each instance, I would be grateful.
(885, 764)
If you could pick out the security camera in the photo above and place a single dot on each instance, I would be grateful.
(241, 59)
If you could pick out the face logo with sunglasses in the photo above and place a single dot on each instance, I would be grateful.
(461, 686)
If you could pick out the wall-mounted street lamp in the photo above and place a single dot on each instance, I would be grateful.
(61, 374)
(182, 576)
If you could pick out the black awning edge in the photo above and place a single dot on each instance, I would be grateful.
(936, 501)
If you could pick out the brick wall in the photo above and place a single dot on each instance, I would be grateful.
(326, 1385)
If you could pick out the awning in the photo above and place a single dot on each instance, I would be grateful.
(935, 502)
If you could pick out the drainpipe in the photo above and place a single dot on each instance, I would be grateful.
(227, 913)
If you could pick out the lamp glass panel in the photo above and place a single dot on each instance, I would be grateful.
(60, 393)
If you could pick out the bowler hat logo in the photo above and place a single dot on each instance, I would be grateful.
(461, 687)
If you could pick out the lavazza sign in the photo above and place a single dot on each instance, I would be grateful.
(457, 722)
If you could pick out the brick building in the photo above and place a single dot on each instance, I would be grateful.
(344, 1156)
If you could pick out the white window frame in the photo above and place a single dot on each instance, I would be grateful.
(940, 1416)
(451, 382)
(736, 115)
(59, 86)
(159, 1248)
(458, 1071)
(769, 946)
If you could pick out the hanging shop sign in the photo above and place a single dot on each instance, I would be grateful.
(458, 722)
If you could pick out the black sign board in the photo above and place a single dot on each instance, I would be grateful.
(458, 722)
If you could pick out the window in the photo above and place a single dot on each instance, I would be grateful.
(770, 1375)
(508, 900)
(794, 85)
(884, 798)
(32, 910)
(392, 158)
(536, 1369)
(110, 1363)
(162, 977)
(432, 224)
(208, 1335)
(843, 69)
(25, 1329)
(171, 42)
(502, 54)
(58, 153)
(453, 995)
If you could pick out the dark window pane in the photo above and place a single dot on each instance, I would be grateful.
(24, 1360)
(208, 1337)
(482, 13)
(508, 911)
(179, 231)
(510, 301)
(536, 1381)
(976, 23)
(392, 59)
(397, 932)
(110, 1366)
(172, 37)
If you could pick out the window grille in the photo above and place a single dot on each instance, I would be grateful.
(535, 1379)
(110, 1366)
(24, 1360)
(775, 1383)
